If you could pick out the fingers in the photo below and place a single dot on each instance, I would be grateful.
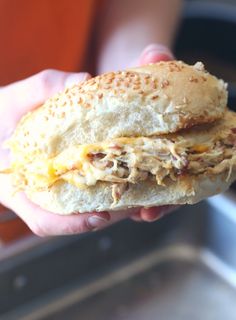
(153, 214)
(123, 214)
(155, 53)
(22, 96)
(44, 223)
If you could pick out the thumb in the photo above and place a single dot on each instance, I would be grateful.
(155, 53)
(23, 96)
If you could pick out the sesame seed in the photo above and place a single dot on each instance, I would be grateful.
(155, 97)
(164, 84)
(185, 100)
(192, 79)
(154, 85)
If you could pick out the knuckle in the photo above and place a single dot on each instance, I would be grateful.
(48, 82)
(38, 229)
(75, 228)
(47, 76)
(67, 229)
(70, 229)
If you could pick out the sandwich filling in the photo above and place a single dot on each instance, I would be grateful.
(125, 161)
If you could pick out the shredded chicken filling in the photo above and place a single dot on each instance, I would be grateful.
(123, 161)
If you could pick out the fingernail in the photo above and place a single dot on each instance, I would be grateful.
(156, 49)
(96, 222)
(75, 78)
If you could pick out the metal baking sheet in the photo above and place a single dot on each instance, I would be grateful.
(182, 267)
(176, 283)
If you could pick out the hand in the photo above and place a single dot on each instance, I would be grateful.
(15, 101)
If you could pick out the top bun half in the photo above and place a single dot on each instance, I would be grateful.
(151, 100)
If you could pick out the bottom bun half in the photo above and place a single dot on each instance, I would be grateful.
(63, 198)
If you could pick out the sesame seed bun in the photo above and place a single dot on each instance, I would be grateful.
(151, 100)
(73, 132)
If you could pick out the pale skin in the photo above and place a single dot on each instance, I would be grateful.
(15, 101)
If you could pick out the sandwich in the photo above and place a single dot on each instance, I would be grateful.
(147, 136)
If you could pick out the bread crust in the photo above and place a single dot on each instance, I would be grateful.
(151, 100)
(65, 199)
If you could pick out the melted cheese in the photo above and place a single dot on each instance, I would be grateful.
(159, 156)
(200, 148)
